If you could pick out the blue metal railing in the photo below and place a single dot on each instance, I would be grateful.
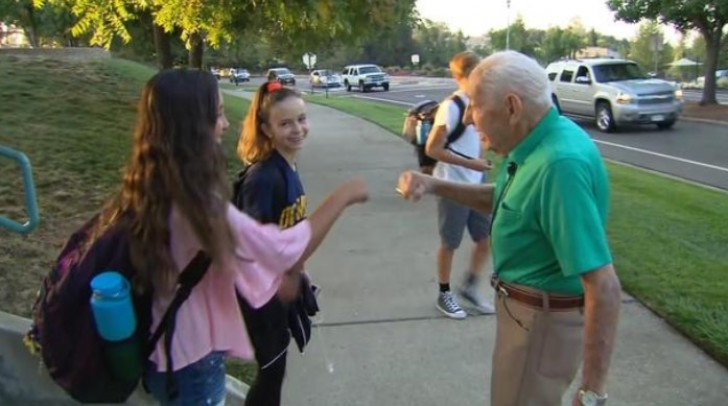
(31, 203)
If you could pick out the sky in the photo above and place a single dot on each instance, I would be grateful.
(477, 17)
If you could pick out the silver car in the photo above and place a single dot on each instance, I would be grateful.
(613, 92)
(325, 78)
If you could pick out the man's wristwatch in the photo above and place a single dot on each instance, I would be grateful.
(589, 398)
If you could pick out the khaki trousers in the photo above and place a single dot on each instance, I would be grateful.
(537, 353)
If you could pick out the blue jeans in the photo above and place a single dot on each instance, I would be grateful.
(200, 383)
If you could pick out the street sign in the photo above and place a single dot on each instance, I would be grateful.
(309, 59)
(415, 59)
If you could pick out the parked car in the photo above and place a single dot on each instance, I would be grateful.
(239, 75)
(282, 75)
(325, 78)
(365, 77)
(613, 92)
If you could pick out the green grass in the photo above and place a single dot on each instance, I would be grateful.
(74, 121)
(669, 240)
(387, 116)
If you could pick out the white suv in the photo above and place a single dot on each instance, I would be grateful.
(613, 92)
(365, 77)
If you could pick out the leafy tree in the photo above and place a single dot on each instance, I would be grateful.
(519, 38)
(436, 44)
(642, 49)
(709, 17)
(42, 24)
(293, 23)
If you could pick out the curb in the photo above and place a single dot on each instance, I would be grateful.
(704, 120)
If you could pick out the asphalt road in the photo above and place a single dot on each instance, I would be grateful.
(691, 150)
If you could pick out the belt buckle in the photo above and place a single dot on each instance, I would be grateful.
(497, 285)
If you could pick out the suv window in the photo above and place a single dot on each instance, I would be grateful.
(618, 71)
(583, 71)
(282, 71)
(553, 75)
(369, 69)
(567, 75)
(345, 71)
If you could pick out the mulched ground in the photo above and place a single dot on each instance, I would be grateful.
(717, 112)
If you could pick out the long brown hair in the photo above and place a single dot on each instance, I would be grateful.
(175, 160)
(253, 144)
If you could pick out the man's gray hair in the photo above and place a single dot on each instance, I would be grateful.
(513, 72)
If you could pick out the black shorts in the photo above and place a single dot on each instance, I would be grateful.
(267, 328)
(423, 158)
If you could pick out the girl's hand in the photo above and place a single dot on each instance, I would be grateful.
(354, 191)
(290, 286)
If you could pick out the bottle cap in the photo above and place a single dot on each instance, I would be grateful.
(108, 284)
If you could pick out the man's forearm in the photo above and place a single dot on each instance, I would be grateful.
(479, 197)
(602, 295)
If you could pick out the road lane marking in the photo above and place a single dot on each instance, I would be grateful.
(665, 156)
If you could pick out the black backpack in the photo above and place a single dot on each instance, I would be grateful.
(425, 112)
(64, 334)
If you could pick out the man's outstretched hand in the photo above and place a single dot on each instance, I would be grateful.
(413, 185)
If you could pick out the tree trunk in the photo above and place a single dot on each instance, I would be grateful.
(712, 49)
(162, 47)
(196, 49)
(31, 30)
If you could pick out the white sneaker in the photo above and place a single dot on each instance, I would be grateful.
(470, 293)
(448, 305)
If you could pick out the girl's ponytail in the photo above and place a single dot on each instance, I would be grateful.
(253, 144)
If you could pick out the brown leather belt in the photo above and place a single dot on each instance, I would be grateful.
(534, 299)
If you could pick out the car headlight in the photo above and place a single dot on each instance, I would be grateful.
(678, 94)
(624, 98)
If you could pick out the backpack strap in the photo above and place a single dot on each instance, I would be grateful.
(188, 279)
(460, 127)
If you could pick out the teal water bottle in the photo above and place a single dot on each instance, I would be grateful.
(116, 322)
(423, 130)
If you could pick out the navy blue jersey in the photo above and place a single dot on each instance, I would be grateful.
(270, 191)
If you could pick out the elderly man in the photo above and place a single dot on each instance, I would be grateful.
(558, 296)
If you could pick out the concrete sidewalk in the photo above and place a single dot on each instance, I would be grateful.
(381, 342)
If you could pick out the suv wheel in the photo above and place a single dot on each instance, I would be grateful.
(348, 86)
(604, 117)
(386, 87)
(362, 88)
(665, 125)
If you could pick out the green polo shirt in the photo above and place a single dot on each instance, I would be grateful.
(550, 224)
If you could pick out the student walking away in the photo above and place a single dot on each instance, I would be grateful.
(457, 149)
(270, 190)
(558, 295)
(173, 212)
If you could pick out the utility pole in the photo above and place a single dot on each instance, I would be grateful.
(508, 30)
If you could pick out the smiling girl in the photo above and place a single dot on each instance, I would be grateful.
(270, 190)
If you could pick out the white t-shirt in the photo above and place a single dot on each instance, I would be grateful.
(468, 144)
